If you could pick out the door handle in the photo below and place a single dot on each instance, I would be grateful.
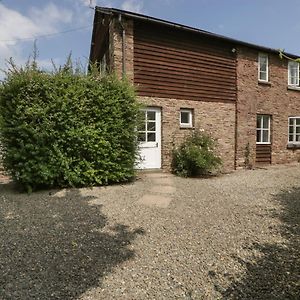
(156, 145)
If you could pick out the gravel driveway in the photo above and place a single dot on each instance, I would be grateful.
(231, 237)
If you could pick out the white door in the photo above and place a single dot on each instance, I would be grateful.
(150, 139)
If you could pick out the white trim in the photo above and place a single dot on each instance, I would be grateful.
(150, 152)
(190, 114)
(263, 55)
(262, 129)
(290, 63)
(294, 131)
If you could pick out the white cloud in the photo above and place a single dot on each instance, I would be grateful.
(48, 16)
(133, 5)
(15, 26)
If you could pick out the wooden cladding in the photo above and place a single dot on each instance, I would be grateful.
(100, 36)
(263, 154)
(171, 63)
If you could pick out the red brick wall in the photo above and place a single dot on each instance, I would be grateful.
(215, 118)
(255, 98)
(219, 118)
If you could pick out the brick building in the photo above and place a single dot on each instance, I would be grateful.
(244, 95)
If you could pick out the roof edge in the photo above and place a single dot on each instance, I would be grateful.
(137, 16)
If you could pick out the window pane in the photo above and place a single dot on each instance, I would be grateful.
(291, 129)
(263, 67)
(184, 117)
(151, 137)
(258, 136)
(265, 136)
(142, 137)
(291, 138)
(291, 121)
(151, 126)
(258, 122)
(151, 115)
(298, 121)
(263, 76)
(265, 121)
(298, 138)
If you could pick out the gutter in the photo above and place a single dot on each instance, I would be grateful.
(190, 29)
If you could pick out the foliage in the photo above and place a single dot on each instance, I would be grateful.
(67, 128)
(195, 156)
(283, 55)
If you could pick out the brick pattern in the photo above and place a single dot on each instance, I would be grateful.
(274, 99)
(116, 46)
(220, 119)
(215, 118)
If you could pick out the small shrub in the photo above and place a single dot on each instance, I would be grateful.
(67, 128)
(195, 156)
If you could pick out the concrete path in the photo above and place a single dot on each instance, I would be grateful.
(161, 193)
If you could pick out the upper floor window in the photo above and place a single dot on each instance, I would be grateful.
(293, 73)
(263, 67)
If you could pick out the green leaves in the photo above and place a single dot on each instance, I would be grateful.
(195, 156)
(65, 129)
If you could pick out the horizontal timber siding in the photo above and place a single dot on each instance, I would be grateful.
(170, 63)
(263, 154)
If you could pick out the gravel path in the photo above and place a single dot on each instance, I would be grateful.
(231, 237)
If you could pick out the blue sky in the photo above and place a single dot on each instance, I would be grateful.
(269, 23)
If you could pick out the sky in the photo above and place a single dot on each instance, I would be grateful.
(68, 24)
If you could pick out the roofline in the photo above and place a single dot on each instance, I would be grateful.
(138, 16)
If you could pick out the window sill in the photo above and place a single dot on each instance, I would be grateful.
(294, 88)
(293, 146)
(186, 127)
(268, 83)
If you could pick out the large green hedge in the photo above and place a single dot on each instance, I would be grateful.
(67, 129)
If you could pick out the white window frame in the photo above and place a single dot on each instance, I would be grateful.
(263, 55)
(190, 123)
(261, 129)
(290, 63)
(294, 141)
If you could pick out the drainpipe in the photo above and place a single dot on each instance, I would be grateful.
(123, 47)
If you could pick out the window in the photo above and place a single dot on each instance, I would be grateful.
(263, 132)
(147, 126)
(186, 118)
(263, 67)
(293, 73)
(294, 130)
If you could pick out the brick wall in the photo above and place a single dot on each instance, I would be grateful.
(255, 98)
(215, 118)
(219, 118)
(116, 47)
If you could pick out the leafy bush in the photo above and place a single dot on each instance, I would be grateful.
(66, 128)
(195, 156)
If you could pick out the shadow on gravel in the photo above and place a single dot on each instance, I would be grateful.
(55, 247)
(277, 274)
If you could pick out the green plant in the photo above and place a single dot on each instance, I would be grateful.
(195, 156)
(67, 128)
